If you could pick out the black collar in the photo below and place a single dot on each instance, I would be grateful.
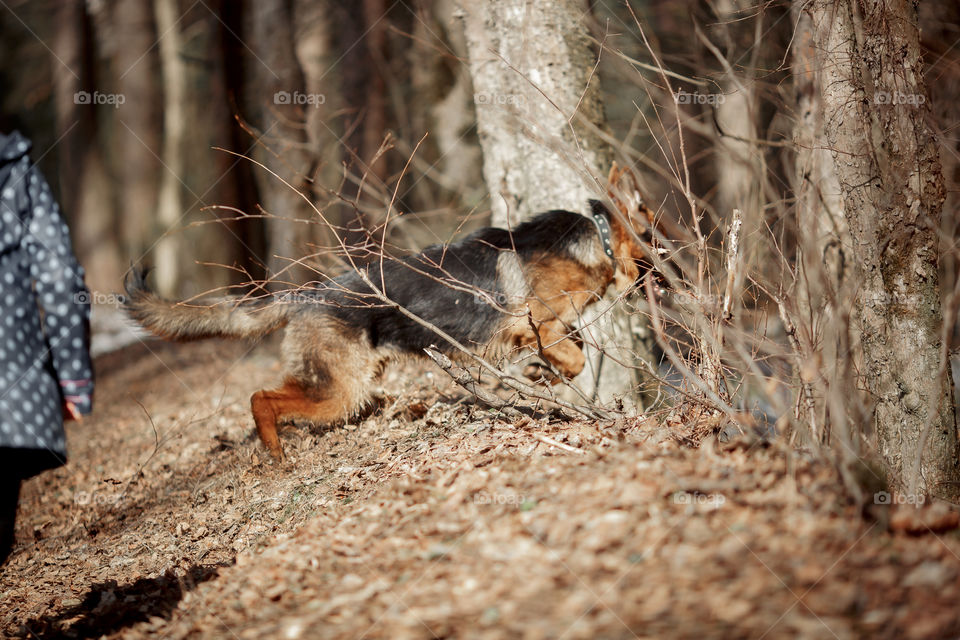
(606, 235)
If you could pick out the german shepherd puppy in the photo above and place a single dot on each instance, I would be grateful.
(493, 291)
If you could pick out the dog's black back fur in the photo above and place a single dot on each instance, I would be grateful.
(447, 284)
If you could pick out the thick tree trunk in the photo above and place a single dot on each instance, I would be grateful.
(938, 25)
(889, 172)
(361, 44)
(531, 64)
(318, 59)
(70, 45)
(374, 126)
(739, 163)
(442, 104)
(538, 110)
(823, 295)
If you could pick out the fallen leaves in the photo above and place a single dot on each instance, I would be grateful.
(433, 519)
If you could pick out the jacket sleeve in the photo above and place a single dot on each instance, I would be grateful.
(61, 293)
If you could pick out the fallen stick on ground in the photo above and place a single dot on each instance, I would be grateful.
(463, 378)
(554, 443)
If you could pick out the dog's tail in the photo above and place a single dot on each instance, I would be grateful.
(180, 321)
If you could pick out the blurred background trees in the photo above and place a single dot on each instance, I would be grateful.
(127, 102)
(197, 76)
(190, 135)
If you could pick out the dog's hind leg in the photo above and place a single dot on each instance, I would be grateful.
(294, 400)
(330, 370)
(269, 406)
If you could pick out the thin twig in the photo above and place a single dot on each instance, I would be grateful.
(463, 378)
(553, 443)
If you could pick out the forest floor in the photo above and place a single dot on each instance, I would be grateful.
(435, 519)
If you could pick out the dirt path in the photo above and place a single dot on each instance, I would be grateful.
(434, 519)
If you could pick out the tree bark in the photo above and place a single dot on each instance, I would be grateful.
(738, 160)
(170, 203)
(317, 56)
(537, 104)
(938, 24)
(889, 173)
(137, 122)
(538, 113)
(84, 180)
(442, 104)
(276, 94)
(823, 295)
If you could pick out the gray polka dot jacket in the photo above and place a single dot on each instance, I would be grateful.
(44, 311)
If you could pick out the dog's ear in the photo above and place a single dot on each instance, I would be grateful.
(599, 208)
(624, 192)
(623, 189)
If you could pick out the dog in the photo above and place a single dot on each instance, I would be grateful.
(494, 291)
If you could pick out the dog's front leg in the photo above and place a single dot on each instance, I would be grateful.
(558, 349)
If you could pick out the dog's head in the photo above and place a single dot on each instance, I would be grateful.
(632, 225)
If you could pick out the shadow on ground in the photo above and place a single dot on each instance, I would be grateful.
(109, 607)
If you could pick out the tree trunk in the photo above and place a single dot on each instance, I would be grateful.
(938, 25)
(538, 112)
(136, 122)
(277, 95)
(84, 180)
(531, 64)
(318, 59)
(211, 177)
(170, 203)
(374, 125)
(360, 42)
(442, 104)
(824, 296)
(739, 163)
(889, 173)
